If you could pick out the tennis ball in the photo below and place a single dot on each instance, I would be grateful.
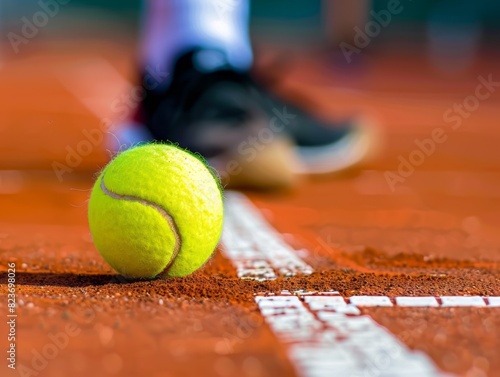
(156, 211)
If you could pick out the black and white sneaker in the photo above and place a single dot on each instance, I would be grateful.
(251, 137)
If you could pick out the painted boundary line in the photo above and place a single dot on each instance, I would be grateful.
(256, 250)
(326, 334)
(426, 301)
(328, 337)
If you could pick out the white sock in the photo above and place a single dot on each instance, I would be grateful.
(172, 26)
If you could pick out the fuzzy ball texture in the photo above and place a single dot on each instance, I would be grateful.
(156, 211)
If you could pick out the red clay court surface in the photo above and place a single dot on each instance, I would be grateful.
(435, 236)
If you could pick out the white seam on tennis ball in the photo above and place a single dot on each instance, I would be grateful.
(170, 220)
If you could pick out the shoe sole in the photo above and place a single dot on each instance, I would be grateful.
(271, 168)
(361, 145)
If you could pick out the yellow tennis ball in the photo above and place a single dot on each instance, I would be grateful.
(156, 211)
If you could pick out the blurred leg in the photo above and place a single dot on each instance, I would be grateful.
(172, 27)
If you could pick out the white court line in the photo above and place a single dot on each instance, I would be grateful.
(370, 301)
(448, 301)
(326, 334)
(416, 301)
(493, 301)
(256, 250)
(324, 340)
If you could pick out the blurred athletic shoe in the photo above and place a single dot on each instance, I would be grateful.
(251, 137)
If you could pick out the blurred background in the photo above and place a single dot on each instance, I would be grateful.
(386, 58)
(296, 22)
